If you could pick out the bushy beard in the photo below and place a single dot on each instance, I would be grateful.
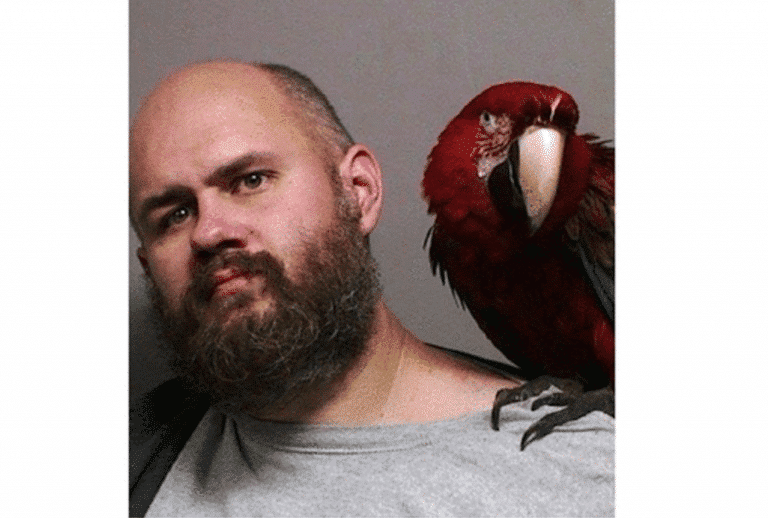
(314, 330)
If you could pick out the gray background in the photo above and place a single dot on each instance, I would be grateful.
(397, 71)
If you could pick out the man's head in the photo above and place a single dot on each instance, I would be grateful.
(253, 207)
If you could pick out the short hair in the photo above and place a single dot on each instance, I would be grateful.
(320, 117)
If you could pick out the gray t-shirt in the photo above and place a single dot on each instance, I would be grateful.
(237, 466)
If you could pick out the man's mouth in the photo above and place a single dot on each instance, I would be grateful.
(235, 275)
(229, 281)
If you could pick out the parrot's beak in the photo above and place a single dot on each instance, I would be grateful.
(540, 158)
(525, 184)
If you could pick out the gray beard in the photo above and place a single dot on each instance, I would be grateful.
(309, 337)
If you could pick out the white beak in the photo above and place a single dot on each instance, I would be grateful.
(541, 156)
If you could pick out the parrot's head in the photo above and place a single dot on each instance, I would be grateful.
(500, 159)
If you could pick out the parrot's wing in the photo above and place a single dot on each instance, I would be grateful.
(601, 279)
(592, 229)
(441, 246)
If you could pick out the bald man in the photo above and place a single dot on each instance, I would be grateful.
(299, 391)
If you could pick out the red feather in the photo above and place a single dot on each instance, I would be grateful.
(527, 293)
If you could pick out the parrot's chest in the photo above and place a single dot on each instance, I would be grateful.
(535, 307)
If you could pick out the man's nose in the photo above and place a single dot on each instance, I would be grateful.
(217, 227)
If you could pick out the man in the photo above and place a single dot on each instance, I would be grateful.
(302, 393)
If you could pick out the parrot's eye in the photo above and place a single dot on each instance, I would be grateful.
(487, 121)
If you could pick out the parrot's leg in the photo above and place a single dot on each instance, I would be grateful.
(570, 389)
(602, 400)
(577, 403)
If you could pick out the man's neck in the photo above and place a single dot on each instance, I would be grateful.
(398, 379)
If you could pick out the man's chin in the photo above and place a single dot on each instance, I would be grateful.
(239, 305)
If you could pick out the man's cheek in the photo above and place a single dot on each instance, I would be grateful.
(172, 290)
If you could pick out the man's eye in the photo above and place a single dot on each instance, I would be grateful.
(249, 181)
(176, 217)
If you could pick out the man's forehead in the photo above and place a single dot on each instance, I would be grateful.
(205, 104)
(206, 89)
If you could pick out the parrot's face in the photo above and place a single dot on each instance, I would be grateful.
(501, 157)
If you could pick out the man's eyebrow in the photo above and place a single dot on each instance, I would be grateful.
(225, 172)
(167, 197)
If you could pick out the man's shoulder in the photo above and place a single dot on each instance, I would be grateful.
(161, 406)
(161, 422)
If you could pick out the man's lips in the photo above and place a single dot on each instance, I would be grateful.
(233, 273)
(229, 281)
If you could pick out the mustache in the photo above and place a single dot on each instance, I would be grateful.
(204, 280)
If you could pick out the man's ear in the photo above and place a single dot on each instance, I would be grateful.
(361, 176)
(142, 255)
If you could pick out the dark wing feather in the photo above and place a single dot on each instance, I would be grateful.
(440, 246)
(601, 280)
(591, 231)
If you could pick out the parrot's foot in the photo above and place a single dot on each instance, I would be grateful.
(570, 390)
(579, 406)
(577, 403)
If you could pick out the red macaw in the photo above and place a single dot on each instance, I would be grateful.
(524, 233)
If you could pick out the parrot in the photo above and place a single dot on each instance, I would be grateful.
(523, 232)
